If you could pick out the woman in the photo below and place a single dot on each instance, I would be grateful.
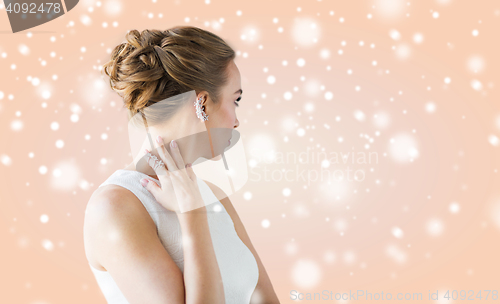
(139, 245)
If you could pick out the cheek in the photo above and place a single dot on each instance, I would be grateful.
(231, 117)
(226, 116)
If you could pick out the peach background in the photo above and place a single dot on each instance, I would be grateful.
(339, 237)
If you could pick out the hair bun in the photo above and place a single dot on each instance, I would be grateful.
(134, 69)
(153, 65)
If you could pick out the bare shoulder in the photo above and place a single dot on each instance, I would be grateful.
(121, 238)
(111, 210)
(113, 201)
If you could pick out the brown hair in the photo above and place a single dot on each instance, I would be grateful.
(154, 65)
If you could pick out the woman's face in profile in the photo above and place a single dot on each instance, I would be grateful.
(222, 116)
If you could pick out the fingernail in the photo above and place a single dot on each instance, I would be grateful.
(144, 182)
(173, 144)
(158, 139)
(146, 151)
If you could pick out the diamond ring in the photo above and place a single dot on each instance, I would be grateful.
(157, 162)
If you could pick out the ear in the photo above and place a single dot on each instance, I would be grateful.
(206, 102)
(201, 104)
(204, 97)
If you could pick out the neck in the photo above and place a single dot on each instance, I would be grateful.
(189, 133)
(188, 152)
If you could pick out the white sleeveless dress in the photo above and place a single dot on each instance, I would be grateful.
(237, 264)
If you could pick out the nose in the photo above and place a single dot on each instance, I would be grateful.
(237, 123)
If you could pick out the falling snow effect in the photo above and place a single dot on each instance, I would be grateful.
(403, 148)
(310, 89)
(65, 176)
(305, 31)
(306, 273)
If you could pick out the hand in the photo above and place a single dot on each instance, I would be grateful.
(179, 190)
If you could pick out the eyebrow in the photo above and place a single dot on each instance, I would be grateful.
(239, 91)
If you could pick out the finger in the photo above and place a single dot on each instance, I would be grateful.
(156, 164)
(176, 154)
(190, 172)
(151, 186)
(156, 191)
(165, 156)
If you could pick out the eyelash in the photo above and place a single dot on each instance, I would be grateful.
(236, 102)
